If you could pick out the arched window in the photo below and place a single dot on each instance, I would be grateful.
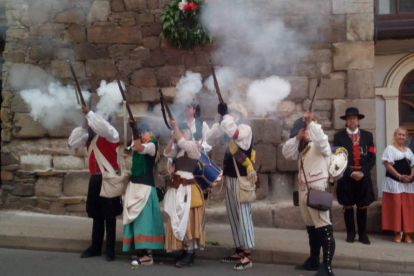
(406, 102)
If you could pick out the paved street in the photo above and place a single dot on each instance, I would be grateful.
(15, 262)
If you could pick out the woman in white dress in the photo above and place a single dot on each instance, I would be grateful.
(398, 188)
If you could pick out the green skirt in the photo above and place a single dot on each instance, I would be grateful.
(147, 230)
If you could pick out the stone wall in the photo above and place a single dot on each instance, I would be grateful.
(105, 39)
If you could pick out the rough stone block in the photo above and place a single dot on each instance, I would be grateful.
(39, 13)
(267, 131)
(149, 94)
(263, 191)
(18, 105)
(6, 175)
(85, 51)
(68, 163)
(36, 162)
(352, 6)
(114, 35)
(16, 34)
(60, 69)
(365, 106)
(75, 33)
(26, 127)
(71, 200)
(70, 16)
(281, 186)
(266, 157)
(120, 51)
(168, 71)
(65, 54)
(318, 55)
(62, 130)
(318, 105)
(361, 84)
(286, 216)
(15, 202)
(76, 207)
(332, 35)
(152, 42)
(140, 53)
(330, 89)
(57, 208)
(129, 65)
(9, 159)
(117, 5)
(42, 147)
(284, 165)
(262, 215)
(99, 11)
(135, 5)
(23, 189)
(144, 78)
(144, 18)
(353, 56)
(101, 68)
(139, 109)
(299, 90)
(76, 183)
(286, 108)
(133, 94)
(360, 27)
(48, 187)
(157, 59)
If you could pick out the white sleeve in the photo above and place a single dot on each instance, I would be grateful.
(190, 147)
(242, 134)
(102, 127)
(412, 158)
(214, 135)
(290, 149)
(204, 144)
(319, 139)
(387, 156)
(149, 149)
(173, 153)
(78, 137)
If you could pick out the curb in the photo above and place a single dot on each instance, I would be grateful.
(210, 253)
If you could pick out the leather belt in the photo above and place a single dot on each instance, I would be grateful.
(176, 180)
(356, 168)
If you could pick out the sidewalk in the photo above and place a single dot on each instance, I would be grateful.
(280, 246)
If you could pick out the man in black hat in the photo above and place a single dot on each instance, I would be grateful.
(355, 187)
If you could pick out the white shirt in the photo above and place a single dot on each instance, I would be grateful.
(149, 148)
(352, 132)
(99, 125)
(189, 147)
(390, 155)
(205, 130)
(229, 127)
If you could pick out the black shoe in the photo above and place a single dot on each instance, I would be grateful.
(90, 252)
(309, 265)
(188, 260)
(362, 226)
(110, 255)
(350, 237)
(324, 271)
(363, 238)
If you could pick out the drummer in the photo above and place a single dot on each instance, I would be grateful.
(191, 116)
(183, 202)
(240, 137)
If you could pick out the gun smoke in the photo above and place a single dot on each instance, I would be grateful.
(110, 98)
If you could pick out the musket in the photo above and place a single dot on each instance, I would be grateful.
(125, 99)
(164, 107)
(216, 86)
(77, 84)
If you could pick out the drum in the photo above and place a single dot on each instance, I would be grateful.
(206, 173)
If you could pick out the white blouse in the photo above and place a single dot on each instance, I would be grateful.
(390, 155)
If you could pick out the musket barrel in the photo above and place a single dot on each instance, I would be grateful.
(216, 86)
(77, 83)
(131, 116)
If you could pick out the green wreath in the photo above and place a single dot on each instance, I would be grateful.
(180, 24)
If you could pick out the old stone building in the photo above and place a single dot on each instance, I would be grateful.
(109, 38)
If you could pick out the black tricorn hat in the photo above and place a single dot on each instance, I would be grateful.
(297, 126)
(352, 111)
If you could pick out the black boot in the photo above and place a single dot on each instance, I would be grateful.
(97, 239)
(110, 239)
(312, 263)
(350, 225)
(328, 246)
(187, 260)
(362, 226)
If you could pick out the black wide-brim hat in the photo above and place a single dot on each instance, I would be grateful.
(297, 126)
(352, 111)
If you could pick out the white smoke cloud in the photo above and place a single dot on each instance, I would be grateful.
(55, 106)
(110, 98)
(264, 95)
(188, 86)
(225, 77)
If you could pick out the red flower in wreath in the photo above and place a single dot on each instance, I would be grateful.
(190, 7)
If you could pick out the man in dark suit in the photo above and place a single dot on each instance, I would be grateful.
(355, 187)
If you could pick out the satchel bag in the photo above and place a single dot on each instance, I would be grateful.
(247, 189)
(319, 200)
(113, 184)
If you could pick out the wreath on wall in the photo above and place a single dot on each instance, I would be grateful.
(180, 24)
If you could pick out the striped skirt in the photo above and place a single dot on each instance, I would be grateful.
(147, 230)
(240, 216)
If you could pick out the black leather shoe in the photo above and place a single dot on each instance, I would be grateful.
(309, 265)
(188, 260)
(90, 252)
(364, 239)
(350, 237)
(110, 255)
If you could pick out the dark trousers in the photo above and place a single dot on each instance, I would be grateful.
(98, 231)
